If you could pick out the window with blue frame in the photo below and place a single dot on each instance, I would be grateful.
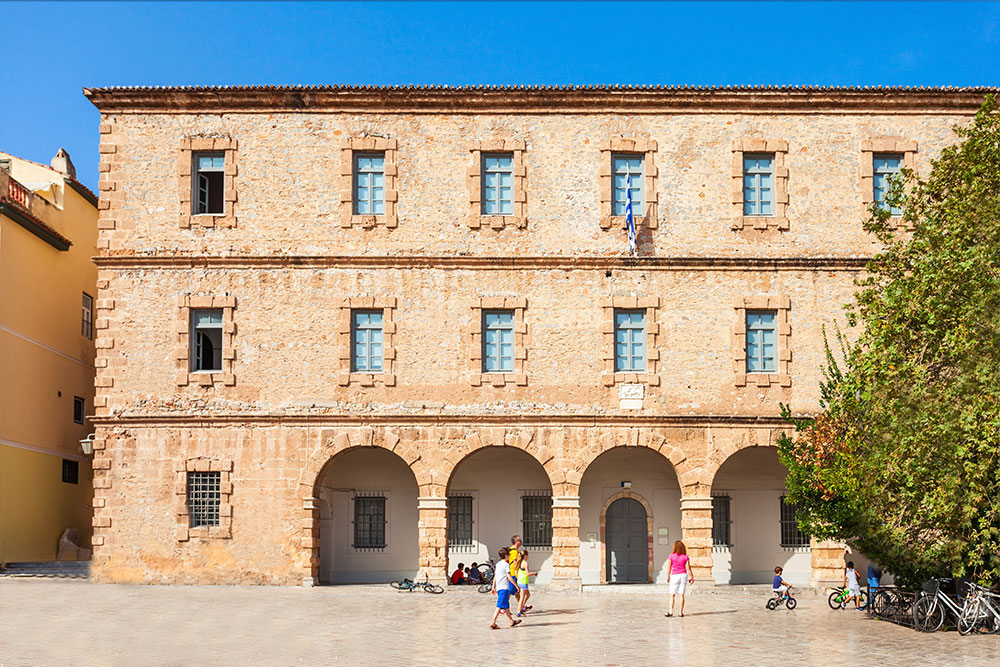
(209, 183)
(498, 184)
(630, 341)
(366, 341)
(758, 184)
(369, 184)
(628, 171)
(498, 341)
(762, 336)
(884, 167)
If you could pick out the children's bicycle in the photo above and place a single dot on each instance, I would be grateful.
(410, 585)
(841, 594)
(784, 598)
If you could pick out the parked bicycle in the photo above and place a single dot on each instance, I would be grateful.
(841, 594)
(486, 573)
(981, 612)
(410, 585)
(933, 607)
(784, 598)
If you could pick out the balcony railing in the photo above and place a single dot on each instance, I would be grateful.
(18, 193)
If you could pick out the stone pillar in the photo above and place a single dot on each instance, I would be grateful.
(696, 526)
(432, 531)
(827, 563)
(310, 541)
(566, 542)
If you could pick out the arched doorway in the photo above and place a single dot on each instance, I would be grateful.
(627, 546)
(494, 493)
(646, 477)
(368, 518)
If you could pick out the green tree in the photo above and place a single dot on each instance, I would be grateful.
(903, 463)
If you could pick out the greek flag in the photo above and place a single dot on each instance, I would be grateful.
(629, 220)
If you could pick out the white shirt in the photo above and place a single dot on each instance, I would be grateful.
(500, 575)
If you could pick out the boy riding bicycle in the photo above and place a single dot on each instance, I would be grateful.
(779, 586)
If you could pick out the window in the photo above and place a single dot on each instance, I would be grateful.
(791, 536)
(628, 173)
(536, 519)
(758, 184)
(722, 522)
(630, 341)
(209, 183)
(203, 498)
(369, 184)
(79, 408)
(366, 341)
(459, 521)
(5, 165)
(498, 184)
(70, 471)
(498, 341)
(761, 336)
(369, 522)
(884, 167)
(87, 317)
(206, 340)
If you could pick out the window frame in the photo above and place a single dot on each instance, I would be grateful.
(773, 328)
(758, 175)
(724, 526)
(638, 210)
(196, 175)
(87, 316)
(70, 471)
(369, 356)
(204, 499)
(195, 329)
(643, 336)
(789, 526)
(777, 149)
(886, 175)
(529, 533)
(366, 497)
(508, 327)
(356, 157)
(81, 403)
(499, 187)
(458, 544)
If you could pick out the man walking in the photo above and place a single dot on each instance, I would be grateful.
(515, 548)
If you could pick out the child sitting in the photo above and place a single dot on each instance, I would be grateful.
(779, 585)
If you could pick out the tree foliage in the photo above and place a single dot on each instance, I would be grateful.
(903, 463)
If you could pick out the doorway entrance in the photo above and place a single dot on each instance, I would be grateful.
(627, 544)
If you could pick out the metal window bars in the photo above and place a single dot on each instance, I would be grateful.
(203, 498)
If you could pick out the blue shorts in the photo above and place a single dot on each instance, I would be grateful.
(503, 598)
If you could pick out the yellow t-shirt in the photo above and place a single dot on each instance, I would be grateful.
(512, 556)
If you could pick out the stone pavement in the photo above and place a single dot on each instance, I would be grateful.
(72, 622)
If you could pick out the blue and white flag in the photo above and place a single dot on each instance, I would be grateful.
(629, 220)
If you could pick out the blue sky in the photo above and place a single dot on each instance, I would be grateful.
(59, 47)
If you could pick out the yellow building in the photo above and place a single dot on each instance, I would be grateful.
(48, 281)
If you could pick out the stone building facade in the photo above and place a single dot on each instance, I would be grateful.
(479, 233)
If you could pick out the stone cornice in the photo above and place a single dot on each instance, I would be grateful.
(123, 262)
(426, 419)
(542, 99)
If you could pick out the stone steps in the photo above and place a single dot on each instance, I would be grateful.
(60, 569)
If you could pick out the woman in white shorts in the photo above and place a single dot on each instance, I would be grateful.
(680, 575)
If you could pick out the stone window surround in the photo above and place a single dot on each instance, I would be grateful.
(185, 170)
(224, 530)
(364, 144)
(883, 144)
(185, 376)
(639, 146)
(650, 303)
(474, 181)
(475, 334)
(782, 306)
(778, 148)
(387, 305)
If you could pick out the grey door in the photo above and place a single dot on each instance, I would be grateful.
(625, 525)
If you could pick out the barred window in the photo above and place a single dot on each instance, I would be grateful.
(722, 522)
(791, 536)
(87, 316)
(369, 522)
(203, 498)
(536, 519)
(459, 521)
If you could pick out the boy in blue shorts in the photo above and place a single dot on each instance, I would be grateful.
(503, 585)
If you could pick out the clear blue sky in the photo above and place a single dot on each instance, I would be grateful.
(54, 49)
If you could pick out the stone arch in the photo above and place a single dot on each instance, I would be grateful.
(724, 448)
(532, 441)
(627, 493)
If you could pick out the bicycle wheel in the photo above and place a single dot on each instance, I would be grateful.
(398, 585)
(928, 615)
(834, 600)
(790, 603)
(863, 600)
(433, 588)
(485, 588)
(880, 603)
(969, 619)
(772, 604)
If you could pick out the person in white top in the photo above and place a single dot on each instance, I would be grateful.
(853, 585)
(503, 584)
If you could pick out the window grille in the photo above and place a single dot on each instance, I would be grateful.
(884, 167)
(630, 341)
(629, 170)
(206, 340)
(498, 341)
(762, 334)
(791, 536)
(209, 183)
(369, 184)
(87, 317)
(369, 522)
(722, 522)
(79, 409)
(758, 185)
(367, 341)
(203, 498)
(536, 519)
(498, 184)
(460, 523)
(70, 471)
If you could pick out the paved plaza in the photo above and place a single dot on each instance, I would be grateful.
(72, 622)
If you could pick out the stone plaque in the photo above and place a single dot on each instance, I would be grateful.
(632, 391)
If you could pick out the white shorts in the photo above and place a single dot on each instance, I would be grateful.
(678, 583)
(780, 589)
(854, 589)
